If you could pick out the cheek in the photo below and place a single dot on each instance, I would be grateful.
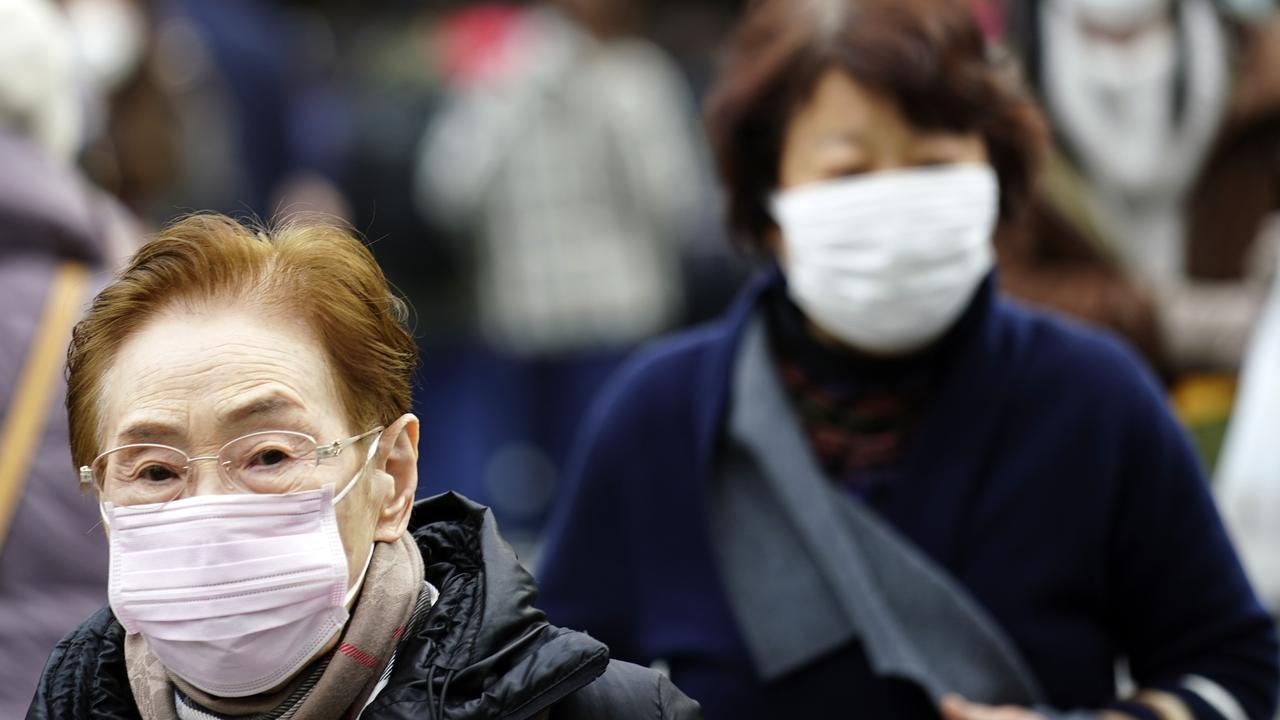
(357, 521)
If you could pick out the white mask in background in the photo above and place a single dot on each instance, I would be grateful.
(233, 593)
(1114, 103)
(887, 262)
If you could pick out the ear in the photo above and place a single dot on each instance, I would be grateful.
(398, 457)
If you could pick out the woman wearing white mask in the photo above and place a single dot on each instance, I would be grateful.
(875, 485)
(238, 402)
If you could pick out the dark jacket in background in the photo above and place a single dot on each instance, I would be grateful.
(483, 651)
(53, 564)
(1046, 476)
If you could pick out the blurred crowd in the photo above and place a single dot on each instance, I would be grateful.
(535, 178)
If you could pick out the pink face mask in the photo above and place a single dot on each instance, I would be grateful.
(233, 593)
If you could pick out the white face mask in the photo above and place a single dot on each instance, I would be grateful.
(887, 262)
(1114, 101)
(233, 593)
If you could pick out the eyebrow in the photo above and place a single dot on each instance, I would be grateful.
(148, 431)
(842, 137)
(153, 431)
(272, 404)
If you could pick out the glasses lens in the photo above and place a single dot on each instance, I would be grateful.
(270, 462)
(141, 474)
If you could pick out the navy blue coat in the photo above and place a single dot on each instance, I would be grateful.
(1047, 475)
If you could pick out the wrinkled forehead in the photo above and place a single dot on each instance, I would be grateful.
(200, 375)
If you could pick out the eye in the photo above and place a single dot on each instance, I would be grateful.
(844, 170)
(947, 149)
(155, 473)
(269, 457)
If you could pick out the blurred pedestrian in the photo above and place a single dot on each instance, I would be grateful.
(57, 235)
(293, 576)
(875, 485)
(1167, 113)
(1248, 478)
(568, 154)
(569, 151)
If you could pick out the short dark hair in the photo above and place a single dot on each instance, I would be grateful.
(930, 56)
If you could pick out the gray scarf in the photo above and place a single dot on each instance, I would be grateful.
(809, 569)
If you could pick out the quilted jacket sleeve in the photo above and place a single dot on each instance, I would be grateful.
(628, 692)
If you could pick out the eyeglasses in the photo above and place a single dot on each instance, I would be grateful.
(270, 462)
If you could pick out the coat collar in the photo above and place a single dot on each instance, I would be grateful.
(483, 650)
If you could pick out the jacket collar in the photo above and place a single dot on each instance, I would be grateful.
(483, 650)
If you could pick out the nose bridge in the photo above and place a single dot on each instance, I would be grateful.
(207, 481)
(894, 154)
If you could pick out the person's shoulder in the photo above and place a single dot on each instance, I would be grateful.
(626, 692)
(1058, 354)
(680, 349)
(671, 368)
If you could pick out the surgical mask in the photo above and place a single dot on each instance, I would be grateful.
(233, 593)
(887, 262)
(1116, 106)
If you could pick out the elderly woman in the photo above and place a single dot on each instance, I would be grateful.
(875, 487)
(238, 402)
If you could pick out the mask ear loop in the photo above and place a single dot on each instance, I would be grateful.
(355, 588)
(368, 458)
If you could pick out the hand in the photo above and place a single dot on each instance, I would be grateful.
(955, 707)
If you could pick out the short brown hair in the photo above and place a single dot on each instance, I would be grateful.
(928, 55)
(319, 272)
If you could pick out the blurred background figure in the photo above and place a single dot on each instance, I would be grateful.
(231, 105)
(568, 158)
(875, 483)
(58, 235)
(1248, 481)
(1154, 216)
